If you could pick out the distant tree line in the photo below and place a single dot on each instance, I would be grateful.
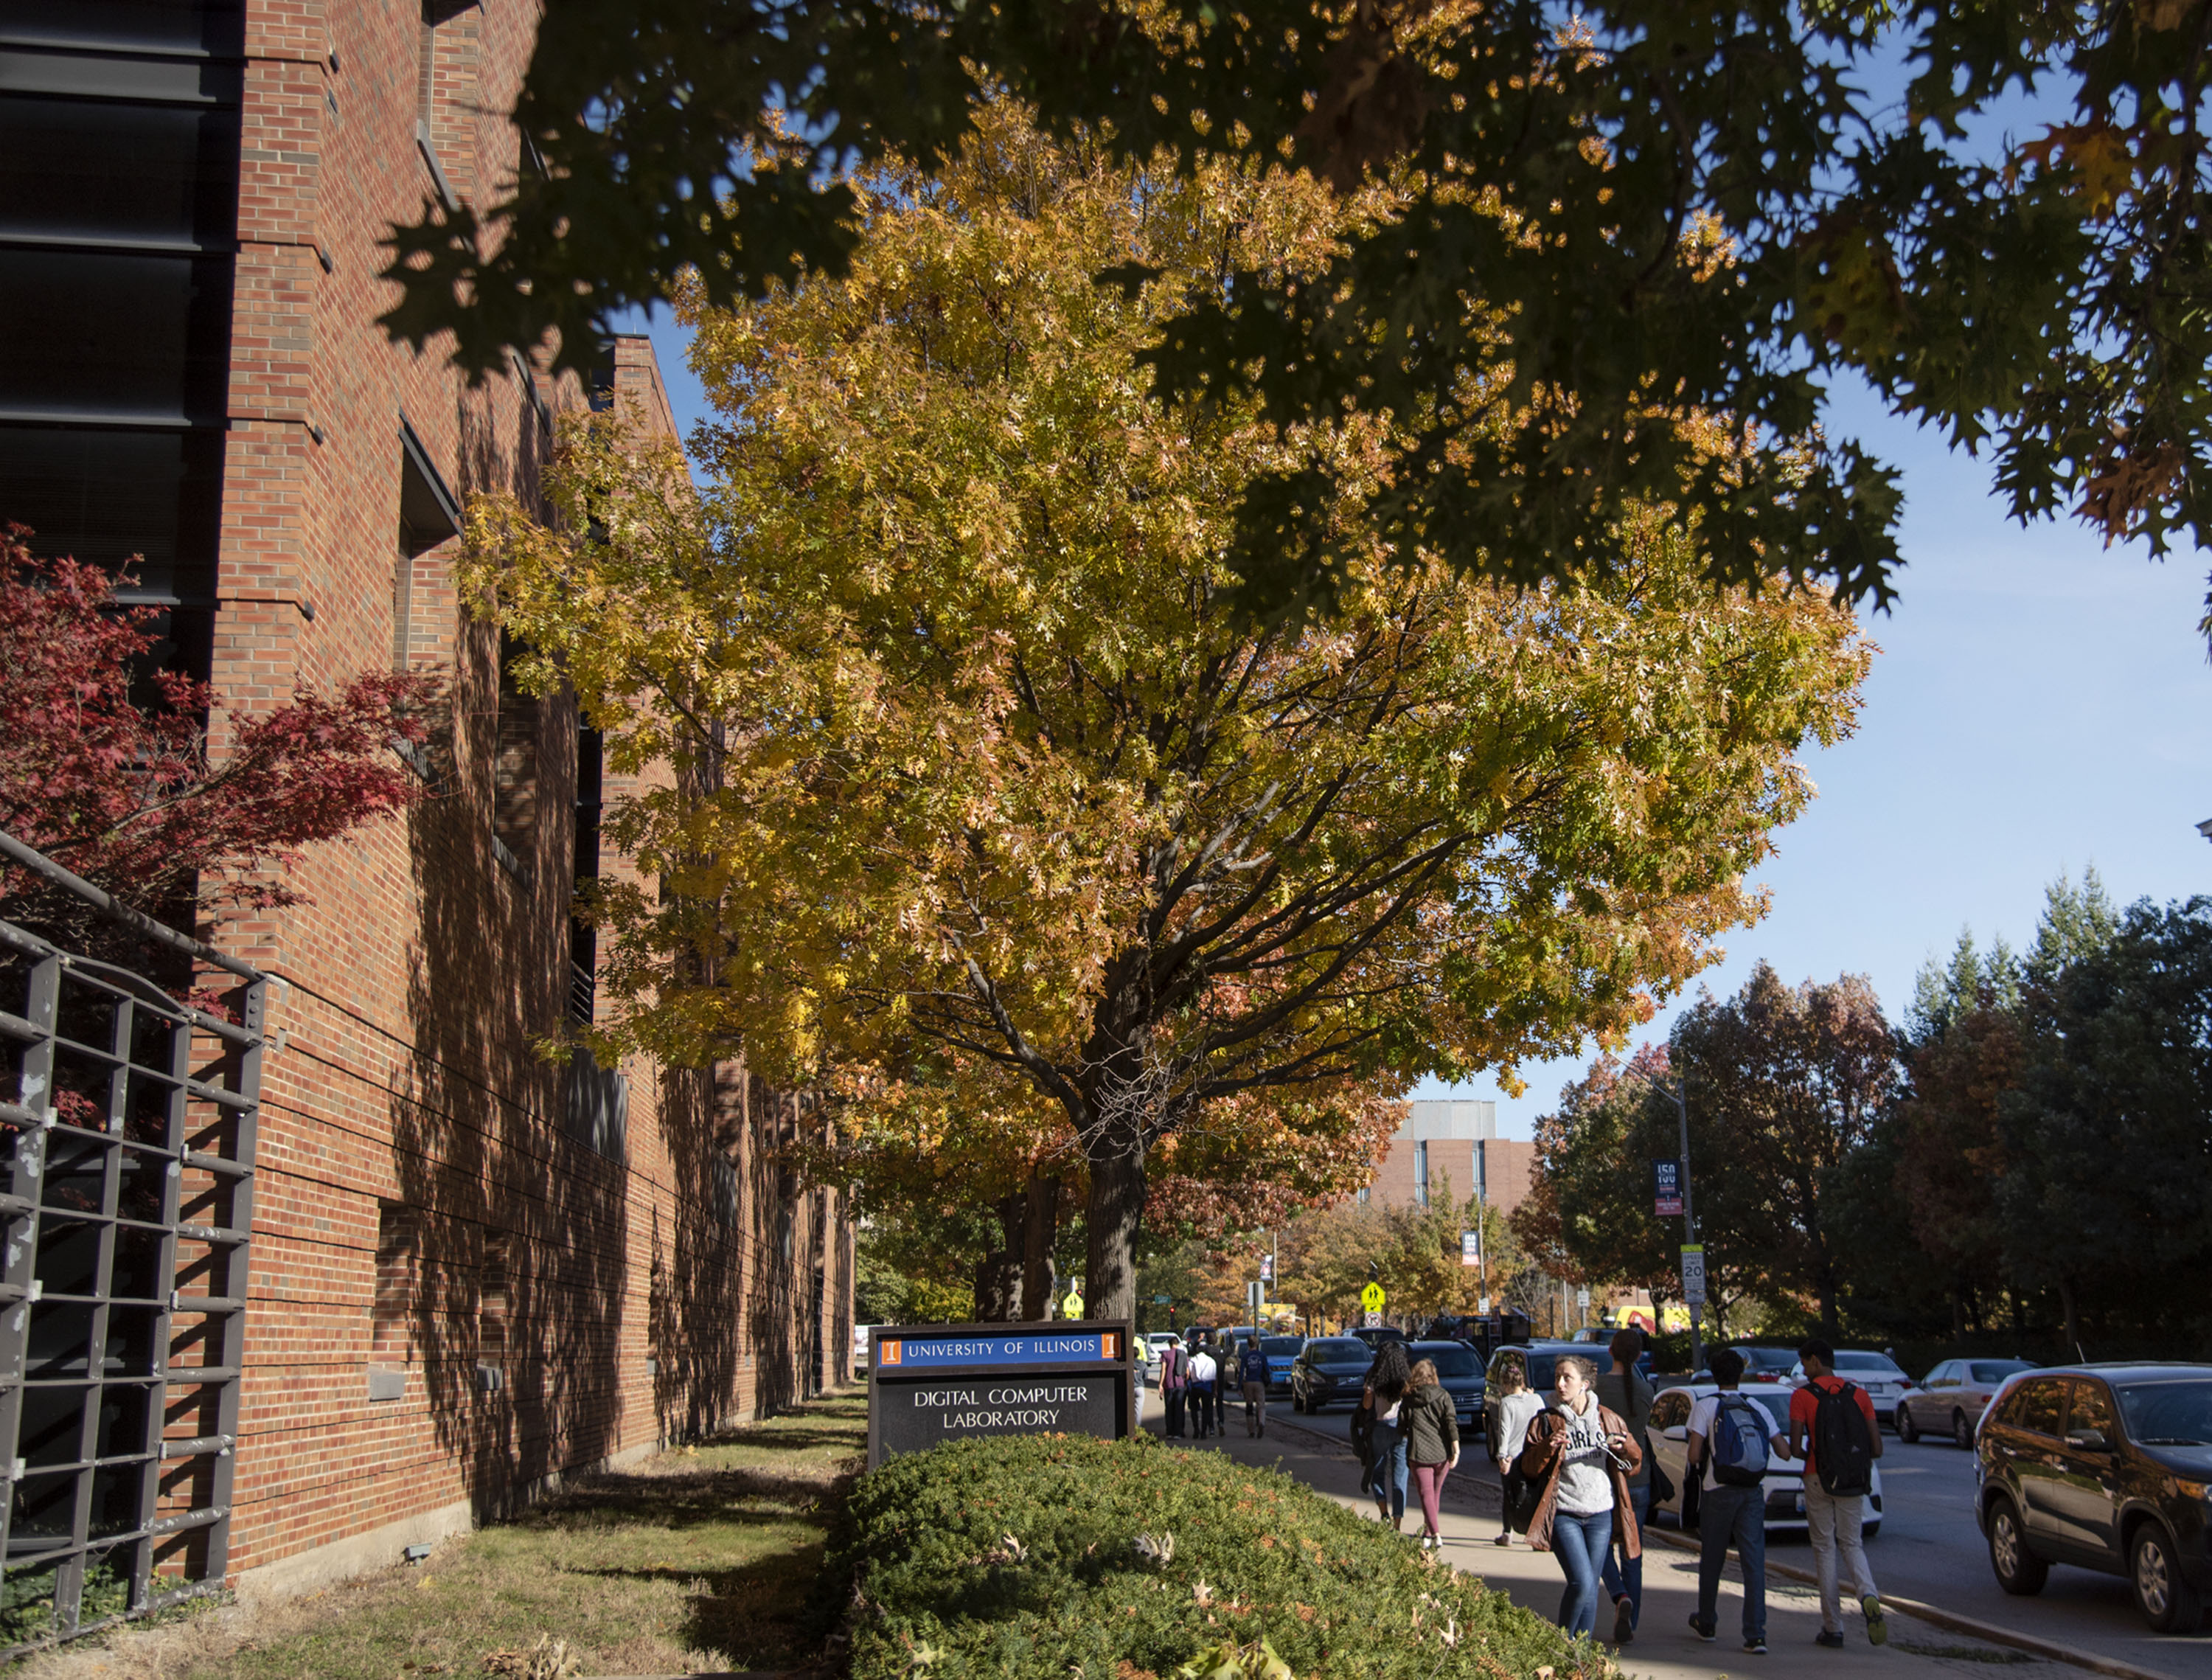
(2028, 1155)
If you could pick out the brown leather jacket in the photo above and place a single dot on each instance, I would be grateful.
(1541, 1461)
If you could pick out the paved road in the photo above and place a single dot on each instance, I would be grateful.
(1930, 1548)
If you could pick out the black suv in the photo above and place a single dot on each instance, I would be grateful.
(2108, 1467)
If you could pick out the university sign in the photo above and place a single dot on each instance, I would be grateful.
(934, 1382)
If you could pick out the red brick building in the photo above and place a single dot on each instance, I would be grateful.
(472, 1271)
(1452, 1148)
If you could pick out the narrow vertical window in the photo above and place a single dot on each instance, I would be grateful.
(399, 1271)
(583, 937)
(492, 1304)
(428, 515)
(514, 789)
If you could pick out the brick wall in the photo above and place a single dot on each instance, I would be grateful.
(457, 1292)
(1500, 1166)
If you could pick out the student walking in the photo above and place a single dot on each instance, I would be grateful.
(1252, 1366)
(1730, 1440)
(1175, 1375)
(1583, 1454)
(1377, 1431)
(1832, 1422)
(1510, 1413)
(1203, 1372)
(1625, 1390)
(1431, 1430)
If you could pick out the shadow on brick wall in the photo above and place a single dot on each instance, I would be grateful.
(506, 1250)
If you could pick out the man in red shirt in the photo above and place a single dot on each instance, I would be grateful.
(1834, 1519)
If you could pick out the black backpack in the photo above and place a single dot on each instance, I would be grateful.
(1843, 1446)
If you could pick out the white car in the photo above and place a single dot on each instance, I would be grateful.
(1880, 1375)
(1669, 1436)
(1152, 1345)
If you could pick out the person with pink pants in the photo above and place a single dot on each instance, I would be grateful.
(1431, 1421)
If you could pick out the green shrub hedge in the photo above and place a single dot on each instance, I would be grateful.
(1044, 1556)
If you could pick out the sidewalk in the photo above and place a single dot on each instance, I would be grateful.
(1665, 1647)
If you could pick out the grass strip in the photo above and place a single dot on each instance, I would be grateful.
(698, 1558)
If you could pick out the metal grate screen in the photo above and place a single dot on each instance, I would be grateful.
(128, 1123)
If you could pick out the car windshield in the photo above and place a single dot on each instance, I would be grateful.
(2168, 1414)
(1873, 1365)
(1337, 1352)
(1453, 1361)
(1997, 1370)
(1777, 1404)
(1767, 1359)
(1280, 1344)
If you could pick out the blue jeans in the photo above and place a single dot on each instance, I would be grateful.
(1386, 1476)
(1734, 1516)
(1581, 1544)
(1624, 1573)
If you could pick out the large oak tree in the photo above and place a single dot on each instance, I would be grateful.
(981, 768)
(2030, 282)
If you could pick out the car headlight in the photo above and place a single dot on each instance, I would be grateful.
(2194, 1489)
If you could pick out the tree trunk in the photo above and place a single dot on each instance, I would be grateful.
(1116, 1211)
(1040, 1230)
(2072, 1317)
(1957, 1314)
(999, 1273)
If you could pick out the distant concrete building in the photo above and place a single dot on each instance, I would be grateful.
(1451, 1148)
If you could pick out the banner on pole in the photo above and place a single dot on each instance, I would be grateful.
(1470, 1248)
(1666, 1189)
(1267, 1268)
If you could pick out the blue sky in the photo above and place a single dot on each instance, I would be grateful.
(2039, 705)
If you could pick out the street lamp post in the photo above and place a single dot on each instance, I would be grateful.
(1689, 1221)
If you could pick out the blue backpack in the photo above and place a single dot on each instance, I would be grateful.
(1739, 1444)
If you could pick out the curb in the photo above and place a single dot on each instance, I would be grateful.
(1973, 1627)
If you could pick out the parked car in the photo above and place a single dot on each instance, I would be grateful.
(2105, 1467)
(1458, 1370)
(1375, 1338)
(1784, 1487)
(1880, 1375)
(1767, 1365)
(1329, 1369)
(1282, 1352)
(1538, 1364)
(1952, 1398)
(1158, 1340)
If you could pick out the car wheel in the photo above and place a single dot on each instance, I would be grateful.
(1906, 1430)
(1869, 1530)
(2164, 1596)
(2019, 1571)
(1962, 1433)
